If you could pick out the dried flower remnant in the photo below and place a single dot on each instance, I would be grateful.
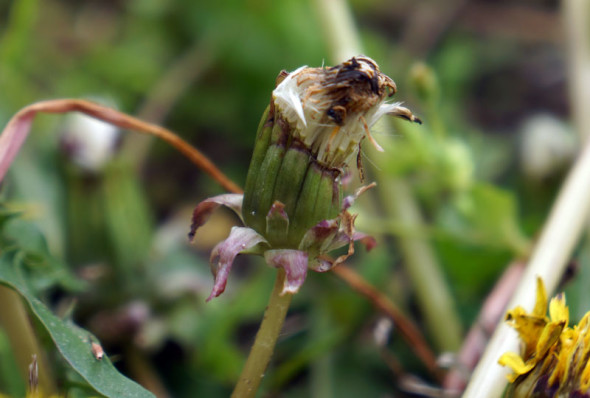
(555, 357)
(330, 110)
(293, 205)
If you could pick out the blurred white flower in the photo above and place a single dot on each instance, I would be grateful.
(548, 145)
(89, 142)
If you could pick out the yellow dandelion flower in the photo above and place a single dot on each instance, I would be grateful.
(555, 357)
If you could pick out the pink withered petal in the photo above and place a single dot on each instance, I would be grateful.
(239, 240)
(369, 241)
(294, 262)
(345, 233)
(319, 237)
(343, 239)
(12, 139)
(330, 235)
(277, 219)
(346, 229)
(204, 209)
(324, 263)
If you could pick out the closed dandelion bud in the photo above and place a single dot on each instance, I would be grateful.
(309, 136)
(425, 82)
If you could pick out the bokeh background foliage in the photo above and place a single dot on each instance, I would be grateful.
(106, 249)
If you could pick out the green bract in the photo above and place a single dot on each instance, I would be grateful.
(287, 190)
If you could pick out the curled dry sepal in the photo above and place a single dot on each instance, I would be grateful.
(293, 206)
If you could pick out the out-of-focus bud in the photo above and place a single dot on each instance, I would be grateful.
(548, 145)
(425, 82)
(459, 165)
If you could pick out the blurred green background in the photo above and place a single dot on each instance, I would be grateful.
(488, 78)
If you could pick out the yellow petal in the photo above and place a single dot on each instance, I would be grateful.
(583, 324)
(549, 337)
(558, 311)
(515, 362)
(528, 326)
(565, 356)
(585, 378)
(541, 304)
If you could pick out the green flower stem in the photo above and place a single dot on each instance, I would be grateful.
(15, 322)
(422, 266)
(265, 341)
(340, 33)
(322, 366)
(396, 197)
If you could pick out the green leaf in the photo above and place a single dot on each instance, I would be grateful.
(480, 235)
(488, 215)
(73, 343)
(45, 270)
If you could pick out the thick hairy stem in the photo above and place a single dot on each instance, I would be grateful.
(266, 338)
